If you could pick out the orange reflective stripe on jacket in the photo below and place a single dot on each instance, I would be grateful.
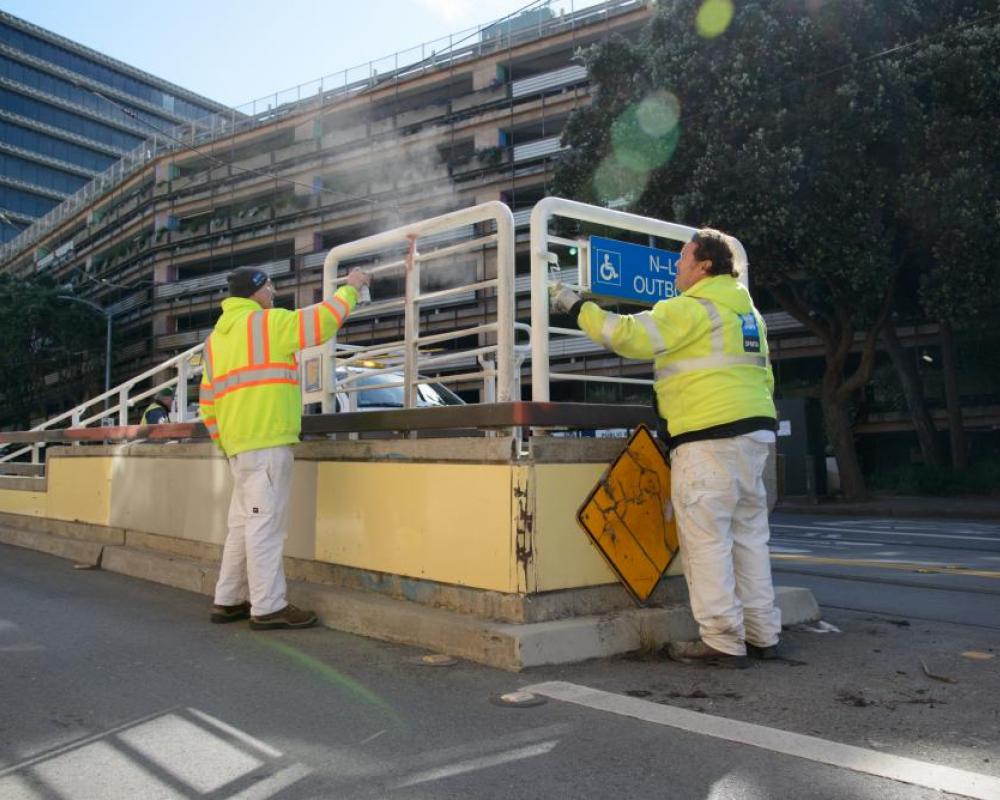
(250, 396)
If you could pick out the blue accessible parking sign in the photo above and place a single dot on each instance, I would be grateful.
(631, 271)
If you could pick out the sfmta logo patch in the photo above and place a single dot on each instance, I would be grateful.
(751, 333)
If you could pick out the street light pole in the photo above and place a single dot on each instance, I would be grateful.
(107, 344)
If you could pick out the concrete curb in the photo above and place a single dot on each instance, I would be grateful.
(504, 645)
(76, 550)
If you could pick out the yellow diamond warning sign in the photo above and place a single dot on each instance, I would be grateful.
(628, 515)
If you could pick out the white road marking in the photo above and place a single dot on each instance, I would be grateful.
(887, 533)
(273, 784)
(236, 733)
(187, 752)
(811, 748)
(372, 738)
(473, 764)
(829, 543)
(56, 751)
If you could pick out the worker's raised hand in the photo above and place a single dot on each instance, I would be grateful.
(562, 298)
(357, 278)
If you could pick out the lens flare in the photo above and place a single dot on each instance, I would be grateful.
(345, 683)
(714, 17)
(616, 184)
(659, 114)
(643, 138)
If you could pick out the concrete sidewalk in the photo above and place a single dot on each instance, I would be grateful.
(985, 508)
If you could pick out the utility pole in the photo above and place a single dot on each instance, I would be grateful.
(107, 343)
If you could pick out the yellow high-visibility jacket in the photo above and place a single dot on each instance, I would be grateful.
(250, 396)
(710, 356)
(155, 414)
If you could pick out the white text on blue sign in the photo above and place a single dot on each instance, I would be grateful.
(631, 271)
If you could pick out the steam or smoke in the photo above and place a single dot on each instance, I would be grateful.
(408, 178)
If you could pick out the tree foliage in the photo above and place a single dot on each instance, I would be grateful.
(52, 349)
(799, 126)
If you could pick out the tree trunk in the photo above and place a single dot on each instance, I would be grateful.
(840, 434)
(956, 424)
(913, 391)
(836, 331)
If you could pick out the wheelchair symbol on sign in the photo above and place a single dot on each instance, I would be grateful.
(609, 269)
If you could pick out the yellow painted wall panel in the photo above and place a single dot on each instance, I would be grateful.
(440, 522)
(79, 489)
(16, 501)
(186, 498)
(189, 498)
(564, 557)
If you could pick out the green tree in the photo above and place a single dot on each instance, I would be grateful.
(786, 123)
(52, 349)
(948, 188)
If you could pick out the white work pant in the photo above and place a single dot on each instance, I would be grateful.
(252, 566)
(718, 495)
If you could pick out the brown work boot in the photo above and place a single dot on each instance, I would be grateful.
(223, 614)
(700, 653)
(288, 617)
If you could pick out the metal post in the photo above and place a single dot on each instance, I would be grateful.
(411, 325)
(505, 304)
(539, 302)
(123, 406)
(181, 395)
(107, 358)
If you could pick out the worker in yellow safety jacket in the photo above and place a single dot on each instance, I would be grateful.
(158, 411)
(251, 404)
(714, 386)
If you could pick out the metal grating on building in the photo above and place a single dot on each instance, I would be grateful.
(538, 149)
(537, 84)
(215, 280)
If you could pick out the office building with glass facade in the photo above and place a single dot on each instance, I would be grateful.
(68, 113)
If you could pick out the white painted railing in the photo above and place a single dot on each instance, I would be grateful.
(499, 380)
(117, 401)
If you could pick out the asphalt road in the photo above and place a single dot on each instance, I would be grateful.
(946, 570)
(116, 688)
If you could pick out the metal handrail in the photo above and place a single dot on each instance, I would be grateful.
(500, 360)
(541, 215)
(125, 399)
(408, 235)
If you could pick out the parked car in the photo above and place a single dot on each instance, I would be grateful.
(379, 391)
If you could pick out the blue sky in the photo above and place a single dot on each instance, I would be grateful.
(234, 51)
